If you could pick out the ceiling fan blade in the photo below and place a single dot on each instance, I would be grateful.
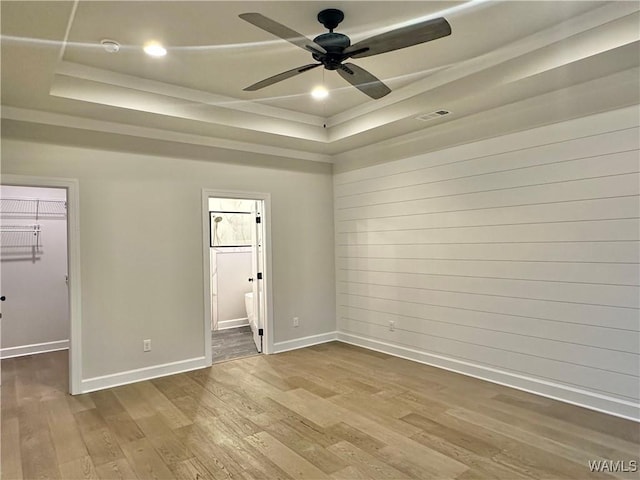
(282, 31)
(281, 76)
(363, 80)
(400, 38)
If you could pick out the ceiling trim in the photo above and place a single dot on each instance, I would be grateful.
(566, 51)
(85, 72)
(590, 33)
(60, 120)
(584, 23)
(563, 104)
(133, 98)
(524, 63)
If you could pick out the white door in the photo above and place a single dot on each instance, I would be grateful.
(256, 275)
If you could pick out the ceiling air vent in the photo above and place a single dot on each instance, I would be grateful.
(430, 116)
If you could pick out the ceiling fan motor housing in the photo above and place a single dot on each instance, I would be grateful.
(334, 44)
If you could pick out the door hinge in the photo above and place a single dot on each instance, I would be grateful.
(258, 220)
(259, 275)
(261, 331)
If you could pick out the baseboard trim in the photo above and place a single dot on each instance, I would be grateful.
(233, 323)
(34, 349)
(147, 373)
(294, 344)
(563, 393)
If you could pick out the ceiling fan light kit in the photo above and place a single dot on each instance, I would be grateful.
(319, 93)
(331, 49)
(154, 49)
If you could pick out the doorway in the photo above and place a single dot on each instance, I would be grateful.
(33, 259)
(41, 270)
(236, 275)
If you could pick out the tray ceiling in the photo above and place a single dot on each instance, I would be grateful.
(500, 54)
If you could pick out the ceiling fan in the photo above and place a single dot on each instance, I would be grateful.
(332, 49)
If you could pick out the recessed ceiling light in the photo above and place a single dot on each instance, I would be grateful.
(110, 46)
(319, 93)
(154, 49)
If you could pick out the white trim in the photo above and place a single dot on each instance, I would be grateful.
(34, 349)
(73, 259)
(563, 393)
(206, 262)
(108, 77)
(233, 323)
(589, 23)
(71, 121)
(304, 342)
(141, 374)
(206, 271)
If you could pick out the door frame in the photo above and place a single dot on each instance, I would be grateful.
(73, 264)
(267, 320)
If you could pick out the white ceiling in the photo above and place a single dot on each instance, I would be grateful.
(507, 65)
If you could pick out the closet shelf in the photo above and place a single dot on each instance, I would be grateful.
(20, 228)
(32, 208)
(17, 236)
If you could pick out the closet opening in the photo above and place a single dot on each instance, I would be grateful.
(35, 281)
(237, 278)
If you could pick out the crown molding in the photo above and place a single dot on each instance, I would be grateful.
(137, 99)
(98, 75)
(568, 103)
(61, 120)
(591, 23)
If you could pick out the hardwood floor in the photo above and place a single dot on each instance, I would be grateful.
(330, 411)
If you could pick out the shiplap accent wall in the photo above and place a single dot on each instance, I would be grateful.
(514, 259)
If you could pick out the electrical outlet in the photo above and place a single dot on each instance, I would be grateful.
(146, 345)
(392, 325)
(296, 322)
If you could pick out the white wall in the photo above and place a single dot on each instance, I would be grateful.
(36, 312)
(513, 259)
(233, 269)
(141, 245)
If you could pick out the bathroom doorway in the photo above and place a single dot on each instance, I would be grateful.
(237, 277)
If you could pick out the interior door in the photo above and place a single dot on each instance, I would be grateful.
(256, 274)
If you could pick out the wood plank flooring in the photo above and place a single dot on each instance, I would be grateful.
(332, 411)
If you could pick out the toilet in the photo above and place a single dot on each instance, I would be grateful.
(248, 303)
